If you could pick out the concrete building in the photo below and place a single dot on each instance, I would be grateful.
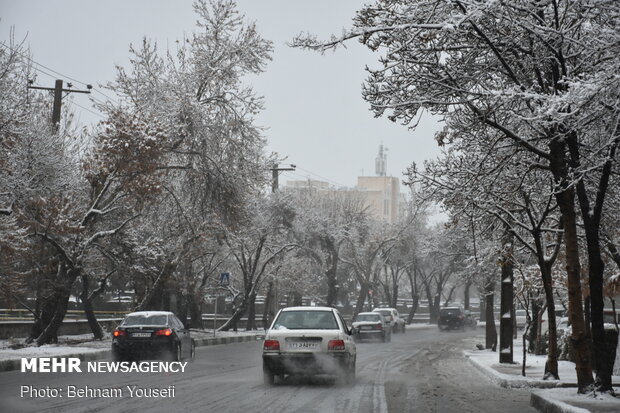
(382, 196)
(380, 193)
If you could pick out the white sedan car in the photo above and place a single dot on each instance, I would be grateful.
(397, 323)
(308, 341)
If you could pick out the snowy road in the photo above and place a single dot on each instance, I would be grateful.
(422, 371)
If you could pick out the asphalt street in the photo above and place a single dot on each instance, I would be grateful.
(422, 371)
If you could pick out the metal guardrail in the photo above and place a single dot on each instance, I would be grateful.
(25, 315)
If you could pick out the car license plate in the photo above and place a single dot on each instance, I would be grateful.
(366, 328)
(304, 345)
(140, 334)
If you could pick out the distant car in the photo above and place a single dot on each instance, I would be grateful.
(610, 317)
(470, 320)
(308, 341)
(544, 326)
(371, 325)
(398, 324)
(521, 318)
(152, 334)
(451, 318)
(563, 324)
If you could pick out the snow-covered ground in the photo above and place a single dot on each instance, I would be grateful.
(561, 393)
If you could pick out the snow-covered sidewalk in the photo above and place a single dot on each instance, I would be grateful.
(550, 395)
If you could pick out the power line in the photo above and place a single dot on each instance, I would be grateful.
(88, 110)
(308, 177)
(322, 177)
(54, 71)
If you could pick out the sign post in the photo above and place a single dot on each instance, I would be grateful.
(215, 316)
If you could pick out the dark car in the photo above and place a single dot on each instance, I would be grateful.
(371, 325)
(451, 318)
(152, 334)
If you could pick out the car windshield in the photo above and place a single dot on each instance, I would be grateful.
(386, 313)
(608, 318)
(520, 313)
(450, 311)
(368, 317)
(306, 320)
(144, 320)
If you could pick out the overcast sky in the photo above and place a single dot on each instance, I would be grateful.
(314, 115)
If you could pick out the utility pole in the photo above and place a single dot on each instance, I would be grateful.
(58, 89)
(275, 172)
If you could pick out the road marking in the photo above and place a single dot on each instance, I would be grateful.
(378, 398)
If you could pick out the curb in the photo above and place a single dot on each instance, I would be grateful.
(15, 364)
(497, 378)
(537, 398)
(544, 404)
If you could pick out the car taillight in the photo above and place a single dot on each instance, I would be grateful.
(333, 345)
(379, 326)
(164, 332)
(272, 345)
(118, 333)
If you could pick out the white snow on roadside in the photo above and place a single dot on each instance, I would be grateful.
(51, 350)
(509, 375)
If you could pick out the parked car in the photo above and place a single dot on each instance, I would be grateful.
(451, 318)
(308, 341)
(398, 324)
(371, 325)
(152, 334)
(563, 324)
(544, 326)
(521, 318)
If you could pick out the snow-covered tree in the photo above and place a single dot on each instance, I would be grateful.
(541, 75)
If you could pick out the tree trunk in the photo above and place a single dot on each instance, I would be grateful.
(414, 308)
(361, 299)
(267, 310)
(92, 320)
(551, 365)
(332, 280)
(435, 311)
(566, 201)
(195, 311)
(506, 301)
(491, 331)
(64, 281)
(591, 217)
(50, 333)
(396, 276)
(251, 323)
(155, 298)
(237, 314)
(45, 308)
(466, 295)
